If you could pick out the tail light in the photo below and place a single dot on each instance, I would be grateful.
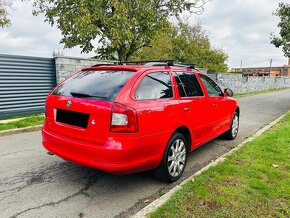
(123, 119)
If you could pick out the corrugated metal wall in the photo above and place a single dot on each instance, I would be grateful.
(24, 84)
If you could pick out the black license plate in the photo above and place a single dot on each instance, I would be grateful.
(72, 118)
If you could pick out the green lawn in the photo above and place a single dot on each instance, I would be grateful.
(259, 92)
(31, 120)
(19, 116)
(253, 182)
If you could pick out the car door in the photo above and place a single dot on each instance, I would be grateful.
(218, 103)
(194, 105)
(154, 102)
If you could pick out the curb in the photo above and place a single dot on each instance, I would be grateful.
(158, 202)
(20, 130)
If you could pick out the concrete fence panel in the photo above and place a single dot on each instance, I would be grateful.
(241, 84)
(65, 66)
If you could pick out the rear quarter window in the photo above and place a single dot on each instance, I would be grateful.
(94, 84)
(154, 86)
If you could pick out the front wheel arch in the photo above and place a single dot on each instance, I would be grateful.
(229, 134)
(238, 111)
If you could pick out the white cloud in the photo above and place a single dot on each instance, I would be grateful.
(14, 42)
(30, 35)
(240, 27)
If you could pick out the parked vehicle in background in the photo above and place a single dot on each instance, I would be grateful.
(130, 118)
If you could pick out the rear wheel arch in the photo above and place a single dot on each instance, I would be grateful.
(174, 159)
(186, 133)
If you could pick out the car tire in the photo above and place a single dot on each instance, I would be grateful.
(174, 159)
(232, 133)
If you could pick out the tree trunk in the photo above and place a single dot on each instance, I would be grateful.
(120, 56)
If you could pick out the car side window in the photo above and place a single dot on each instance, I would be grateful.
(156, 85)
(212, 88)
(188, 85)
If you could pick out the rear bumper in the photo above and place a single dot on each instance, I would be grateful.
(118, 155)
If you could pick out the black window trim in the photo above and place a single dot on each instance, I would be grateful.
(199, 74)
(144, 74)
(188, 97)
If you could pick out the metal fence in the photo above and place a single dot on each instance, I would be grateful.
(24, 84)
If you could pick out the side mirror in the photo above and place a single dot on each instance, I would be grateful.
(229, 92)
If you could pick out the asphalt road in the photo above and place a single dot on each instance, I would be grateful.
(34, 184)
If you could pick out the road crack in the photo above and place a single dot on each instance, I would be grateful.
(92, 179)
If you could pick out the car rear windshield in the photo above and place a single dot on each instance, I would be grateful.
(94, 84)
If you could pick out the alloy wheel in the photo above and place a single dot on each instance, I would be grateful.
(235, 125)
(176, 158)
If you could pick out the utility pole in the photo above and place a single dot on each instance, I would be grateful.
(241, 66)
(270, 67)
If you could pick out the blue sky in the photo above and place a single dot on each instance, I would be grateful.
(240, 27)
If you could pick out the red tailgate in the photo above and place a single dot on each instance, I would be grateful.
(78, 118)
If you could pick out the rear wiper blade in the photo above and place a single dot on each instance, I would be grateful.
(83, 95)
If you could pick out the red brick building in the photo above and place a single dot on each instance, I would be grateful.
(264, 71)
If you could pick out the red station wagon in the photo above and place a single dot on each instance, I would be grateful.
(131, 118)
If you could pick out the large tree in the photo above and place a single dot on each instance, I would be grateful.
(185, 44)
(283, 12)
(4, 19)
(118, 27)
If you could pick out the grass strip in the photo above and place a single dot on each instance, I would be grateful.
(19, 116)
(253, 182)
(26, 122)
(260, 92)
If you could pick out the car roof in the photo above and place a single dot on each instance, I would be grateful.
(137, 68)
(143, 65)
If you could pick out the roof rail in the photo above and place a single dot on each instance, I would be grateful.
(150, 63)
(190, 66)
(108, 64)
(159, 63)
(164, 63)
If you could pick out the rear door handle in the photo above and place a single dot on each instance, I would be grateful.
(186, 109)
(214, 105)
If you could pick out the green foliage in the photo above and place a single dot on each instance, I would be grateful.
(33, 120)
(283, 12)
(253, 182)
(119, 28)
(4, 19)
(186, 44)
